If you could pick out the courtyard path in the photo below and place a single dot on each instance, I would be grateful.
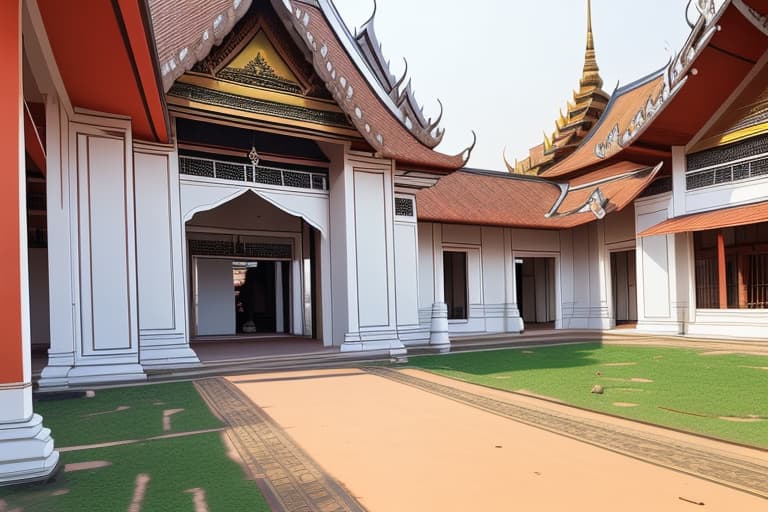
(406, 440)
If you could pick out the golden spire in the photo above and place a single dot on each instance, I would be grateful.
(547, 143)
(590, 77)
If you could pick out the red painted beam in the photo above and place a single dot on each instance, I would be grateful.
(103, 53)
(11, 358)
(721, 281)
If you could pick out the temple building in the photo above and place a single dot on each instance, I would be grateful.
(182, 170)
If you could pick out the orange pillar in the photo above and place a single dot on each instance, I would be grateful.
(11, 172)
(721, 282)
(26, 447)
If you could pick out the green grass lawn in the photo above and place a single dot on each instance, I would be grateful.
(174, 466)
(688, 390)
(82, 421)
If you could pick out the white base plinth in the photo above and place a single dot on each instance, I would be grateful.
(26, 451)
(438, 330)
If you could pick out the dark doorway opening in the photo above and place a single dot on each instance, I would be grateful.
(624, 287)
(262, 302)
(536, 296)
(455, 281)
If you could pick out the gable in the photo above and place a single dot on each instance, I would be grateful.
(260, 65)
(259, 73)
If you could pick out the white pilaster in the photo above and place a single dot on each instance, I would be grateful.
(512, 320)
(98, 162)
(371, 239)
(62, 240)
(162, 291)
(438, 330)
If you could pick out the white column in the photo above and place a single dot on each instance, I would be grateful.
(512, 320)
(279, 310)
(104, 305)
(407, 275)
(162, 289)
(370, 255)
(63, 280)
(658, 308)
(438, 331)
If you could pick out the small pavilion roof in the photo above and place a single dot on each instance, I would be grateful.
(471, 196)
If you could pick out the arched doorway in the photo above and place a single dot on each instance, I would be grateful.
(251, 269)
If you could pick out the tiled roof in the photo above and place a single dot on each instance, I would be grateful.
(387, 117)
(723, 218)
(186, 30)
(495, 199)
(618, 120)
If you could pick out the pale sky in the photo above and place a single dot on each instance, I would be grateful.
(505, 68)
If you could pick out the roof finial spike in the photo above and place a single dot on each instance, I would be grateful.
(591, 74)
(590, 36)
(373, 15)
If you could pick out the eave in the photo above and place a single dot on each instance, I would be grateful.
(93, 40)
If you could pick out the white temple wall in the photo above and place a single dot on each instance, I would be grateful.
(369, 197)
(163, 325)
(426, 279)
(95, 192)
(726, 195)
(584, 278)
(407, 274)
(658, 308)
(491, 291)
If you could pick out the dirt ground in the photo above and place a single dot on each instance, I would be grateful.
(397, 448)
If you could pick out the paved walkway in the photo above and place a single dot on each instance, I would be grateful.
(406, 440)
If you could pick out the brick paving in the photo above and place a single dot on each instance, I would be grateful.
(290, 480)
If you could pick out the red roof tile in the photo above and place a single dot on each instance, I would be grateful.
(723, 218)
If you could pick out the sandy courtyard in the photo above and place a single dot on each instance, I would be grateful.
(397, 448)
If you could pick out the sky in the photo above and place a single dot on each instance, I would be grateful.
(504, 68)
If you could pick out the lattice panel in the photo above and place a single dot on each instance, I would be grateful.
(727, 173)
(711, 157)
(245, 249)
(404, 207)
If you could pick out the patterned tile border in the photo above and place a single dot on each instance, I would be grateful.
(743, 474)
(290, 480)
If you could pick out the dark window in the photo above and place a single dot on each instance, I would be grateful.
(455, 279)
(745, 269)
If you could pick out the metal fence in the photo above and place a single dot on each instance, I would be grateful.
(248, 173)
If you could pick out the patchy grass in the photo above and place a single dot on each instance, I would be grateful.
(80, 421)
(720, 395)
(174, 466)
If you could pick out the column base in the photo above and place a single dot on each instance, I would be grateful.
(513, 322)
(54, 378)
(438, 330)
(177, 355)
(26, 452)
(383, 341)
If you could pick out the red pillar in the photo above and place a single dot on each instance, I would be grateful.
(26, 447)
(11, 172)
(721, 282)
